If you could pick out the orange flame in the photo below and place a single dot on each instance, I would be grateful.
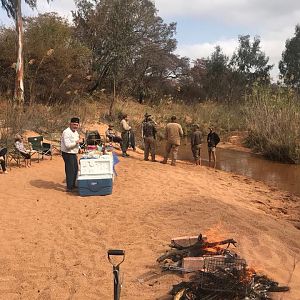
(216, 233)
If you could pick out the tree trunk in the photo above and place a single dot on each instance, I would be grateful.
(114, 97)
(19, 84)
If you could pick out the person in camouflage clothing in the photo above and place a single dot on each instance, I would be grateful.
(149, 135)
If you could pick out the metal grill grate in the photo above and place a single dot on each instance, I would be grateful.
(226, 274)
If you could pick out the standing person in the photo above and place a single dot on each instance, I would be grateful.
(19, 145)
(3, 152)
(196, 141)
(128, 139)
(173, 134)
(212, 141)
(149, 135)
(69, 149)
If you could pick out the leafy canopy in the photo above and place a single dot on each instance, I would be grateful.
(250, 61)
(289, 66)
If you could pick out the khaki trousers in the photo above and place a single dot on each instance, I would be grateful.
(173, 149)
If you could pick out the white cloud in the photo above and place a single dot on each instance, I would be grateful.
(272, 48)
(205, 49)
(62, 7)
(274, 21)
(251, 12)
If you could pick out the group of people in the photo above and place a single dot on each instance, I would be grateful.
(213, 140)
(70, 143)
(173, 135)
(127, 138)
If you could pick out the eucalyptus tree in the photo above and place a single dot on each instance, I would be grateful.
(13, 9)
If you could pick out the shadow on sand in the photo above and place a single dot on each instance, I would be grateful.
(50, 185)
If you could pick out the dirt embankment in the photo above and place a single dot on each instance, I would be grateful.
(54, 244)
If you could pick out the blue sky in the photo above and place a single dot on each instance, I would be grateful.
(203, 24)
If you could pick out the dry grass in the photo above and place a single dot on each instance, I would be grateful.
(224, 118)
(48, 121)
(272, 120)
(273, 123)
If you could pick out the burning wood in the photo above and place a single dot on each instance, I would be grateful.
(200, 248)
(222, 276)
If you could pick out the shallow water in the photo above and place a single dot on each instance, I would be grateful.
(282, 176)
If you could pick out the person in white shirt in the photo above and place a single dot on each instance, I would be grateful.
(69, 148)
(19, 145)
(128, 138)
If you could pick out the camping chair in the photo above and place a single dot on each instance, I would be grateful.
(93, 138)
(113, 142)
(47, 149)
(40, 147)
(16, 156)
(55, 148)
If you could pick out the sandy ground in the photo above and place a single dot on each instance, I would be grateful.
(54, 245)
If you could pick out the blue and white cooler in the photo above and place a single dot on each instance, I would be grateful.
(96, 176)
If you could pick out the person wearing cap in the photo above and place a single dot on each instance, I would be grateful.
(149, 135)
(128, 139)
(196, 141)
(212, 141)
(112, 136)
(69, 148)
(173, 134)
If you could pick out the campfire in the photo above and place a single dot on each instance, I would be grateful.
(216, 272)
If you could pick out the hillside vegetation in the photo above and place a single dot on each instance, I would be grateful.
(271, 120)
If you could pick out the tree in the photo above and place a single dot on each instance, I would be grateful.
(131, 45)
(56, 63)
(14, 10)
(191, 83)
(289, 66)
(208, 77)
(217, 70)
(7, 60)
(250, 62)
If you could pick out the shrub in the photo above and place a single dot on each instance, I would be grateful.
(273, 122)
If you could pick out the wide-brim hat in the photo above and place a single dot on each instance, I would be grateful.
(147, 115)
(196, 125)
(110, 126)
